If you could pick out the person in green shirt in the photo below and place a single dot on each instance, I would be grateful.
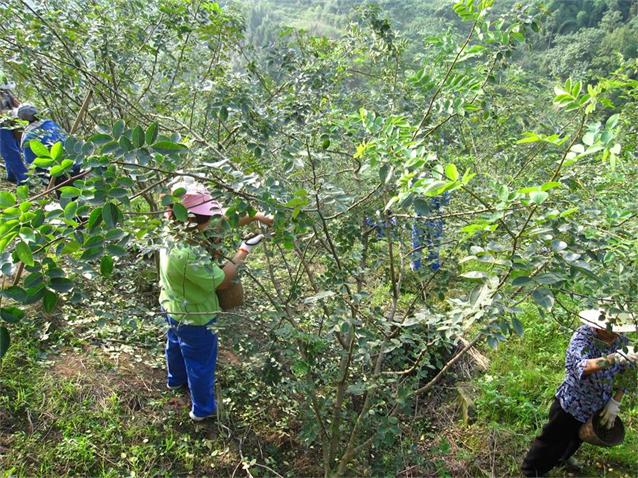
(189, 281)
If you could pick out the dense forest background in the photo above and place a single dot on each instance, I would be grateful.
(579, 38)
(507, 129)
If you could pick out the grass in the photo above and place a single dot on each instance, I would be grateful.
(86, 396)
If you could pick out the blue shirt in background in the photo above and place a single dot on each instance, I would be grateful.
(48, 132)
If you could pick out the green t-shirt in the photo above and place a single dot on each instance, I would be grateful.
(188, 281)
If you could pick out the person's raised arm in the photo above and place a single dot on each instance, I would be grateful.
(597, 364)
(231, 267)
(261, 217)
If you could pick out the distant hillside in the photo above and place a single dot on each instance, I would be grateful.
(329, 17)
(580, 38)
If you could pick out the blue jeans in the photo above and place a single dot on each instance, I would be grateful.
(191, 358)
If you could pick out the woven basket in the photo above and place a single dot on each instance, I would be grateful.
(232, 297)
(593, 433)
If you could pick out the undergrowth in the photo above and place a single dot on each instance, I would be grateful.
(84, 395)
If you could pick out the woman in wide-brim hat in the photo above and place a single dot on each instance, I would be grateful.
(594, 357)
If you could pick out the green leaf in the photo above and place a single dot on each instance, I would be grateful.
(70, 209)
(151, 133)
(116, 250)
(56, 151)
(70, 192)
(452, 172)
(118, 128)
(538, 197)
(550, 185)
(95, 218)
(475, 275)
(92, 253)
(100, 138)
(582, 265)
(521, 280)
(544, 298)
(125, 144)
(517, 326)
(62, 168)
(43, 162)
(111, 215)
(558, 245)
(168, 147)
(24, 254)
(5, 341)
(612, 122)
(7, 199)
(110, 147)
(137, 137)
(39, 149)
(106, 265)
(49, 300)
(14, 293)
(61, 284)
(7, 238)
(548, 278)
(22, 192)
(11, 314)
(33, 280)
(180, 212)
(177, 193)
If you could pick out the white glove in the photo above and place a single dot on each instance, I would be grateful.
(609, 413)
(248, 244)
(622, 358)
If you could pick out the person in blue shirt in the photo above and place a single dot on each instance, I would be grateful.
(47, 131)
(428, 234)
(9, 136)
(594, 357)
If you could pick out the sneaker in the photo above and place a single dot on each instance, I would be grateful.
(195, 418)
(174, 387)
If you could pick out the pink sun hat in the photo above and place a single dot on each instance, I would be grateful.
(202, 203)
(196, 199)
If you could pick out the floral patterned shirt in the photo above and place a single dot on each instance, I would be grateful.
(581, 396)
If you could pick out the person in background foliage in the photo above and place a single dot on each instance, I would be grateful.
(379, 225)
(427, 234)
(10, 134)
(47, 131)
(189, 279)
(593, 359)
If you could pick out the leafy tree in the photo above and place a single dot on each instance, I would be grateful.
(327, 134)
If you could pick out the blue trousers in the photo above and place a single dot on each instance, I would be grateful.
(10, 152)
(191, 358)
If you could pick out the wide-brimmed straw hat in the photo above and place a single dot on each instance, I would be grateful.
(621, 323)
